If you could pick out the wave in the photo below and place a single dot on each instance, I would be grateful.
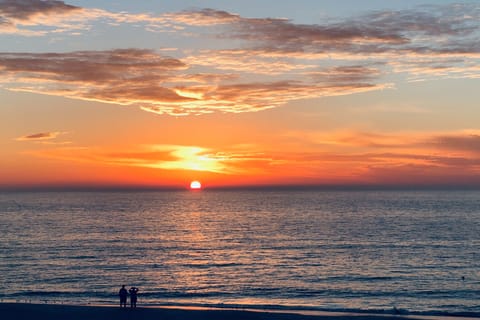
(211, 265)
(320, 310)
(48, 297)
(222, 291)
(42, 295)
(332, 249)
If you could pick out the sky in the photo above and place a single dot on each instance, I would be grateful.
(239, 93)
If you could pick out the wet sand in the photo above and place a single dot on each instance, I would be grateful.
(23, 311)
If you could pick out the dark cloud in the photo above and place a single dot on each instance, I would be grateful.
(422, 30)
(39, 136)
(91, 66)
(346, 74)
(126, 76)
(422, 42)
(26, 9)
(282, 35)
(469, 143)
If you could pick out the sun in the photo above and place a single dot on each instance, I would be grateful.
(195, 185)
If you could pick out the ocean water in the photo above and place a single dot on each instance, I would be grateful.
(416, 251)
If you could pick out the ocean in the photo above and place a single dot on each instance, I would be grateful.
(413, 252)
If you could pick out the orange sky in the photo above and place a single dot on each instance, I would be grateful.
(314, 94)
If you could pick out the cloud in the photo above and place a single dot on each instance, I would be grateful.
(161, 157)
(247, 61)
(380, 31)
(270, 63)
(25, 10)
(367, 151)
(425, 41)
(346, 74)
(367, 157)
(15, 15)
(164, 85)
(463, 143)
(202, 17)
(39, 136)
(45, 138)
(90, 66)
(127, 77)
(425, 30)
(42, 17)
(282, 33)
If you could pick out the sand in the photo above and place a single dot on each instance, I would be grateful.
(20, 311)
(23, 311)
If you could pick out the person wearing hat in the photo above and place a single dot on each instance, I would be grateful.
(133, 297)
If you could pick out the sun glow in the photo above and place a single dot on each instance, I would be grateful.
(195, 185)
(188, 158)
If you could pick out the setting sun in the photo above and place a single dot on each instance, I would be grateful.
(196, 185)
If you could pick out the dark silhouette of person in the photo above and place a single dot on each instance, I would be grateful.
(133, 297)
(123, 296)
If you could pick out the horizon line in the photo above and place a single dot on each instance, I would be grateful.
(279, 187)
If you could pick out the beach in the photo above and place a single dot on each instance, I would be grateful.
(27, 311)
(20, 311)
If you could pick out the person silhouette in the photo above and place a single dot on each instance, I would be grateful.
(133, 297)
(123, 296)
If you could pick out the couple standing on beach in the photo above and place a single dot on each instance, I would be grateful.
(123, 296)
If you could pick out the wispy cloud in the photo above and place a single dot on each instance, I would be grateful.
(162, 157)
(388, 158)
(467, 141)
(345, 157)
(203, 17)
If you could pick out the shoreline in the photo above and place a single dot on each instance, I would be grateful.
(29, 311)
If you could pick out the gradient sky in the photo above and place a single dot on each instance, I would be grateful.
(305, 92)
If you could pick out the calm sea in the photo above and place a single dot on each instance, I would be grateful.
(418, 252)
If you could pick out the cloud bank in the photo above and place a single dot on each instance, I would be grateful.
(264, 63)
(161, 84)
